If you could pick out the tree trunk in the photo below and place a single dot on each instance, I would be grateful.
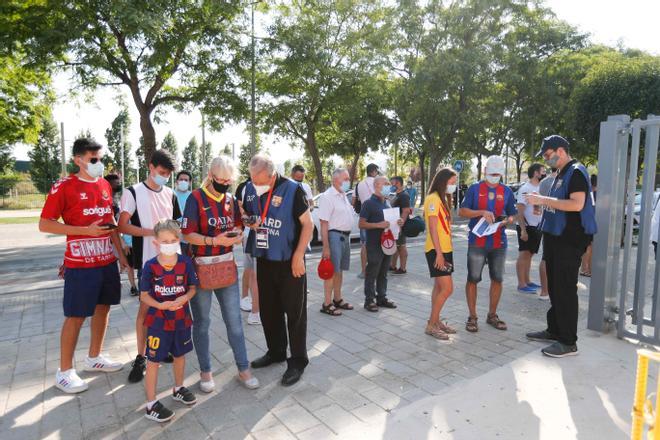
(313, 151)
(479, 167)
(422, 169)
(148, 135)
(354, 165)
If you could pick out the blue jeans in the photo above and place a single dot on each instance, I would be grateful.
(200, 306)
(476, 260)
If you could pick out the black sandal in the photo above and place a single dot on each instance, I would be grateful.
(330, 309)
(341, 304)
(371, 307)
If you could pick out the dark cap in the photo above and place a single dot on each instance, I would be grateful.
(552, 143)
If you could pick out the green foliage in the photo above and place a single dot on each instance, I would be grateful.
(169, 144)
(166, 52)
(190, 161)
(25, 97)
(113, 158)
(45, 155)
(7, 182)
(621, 85)
(6, 159)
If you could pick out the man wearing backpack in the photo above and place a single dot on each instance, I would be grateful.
(363, 192)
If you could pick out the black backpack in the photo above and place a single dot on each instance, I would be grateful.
(357, 204)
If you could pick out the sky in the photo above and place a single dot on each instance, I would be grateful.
(632, 23)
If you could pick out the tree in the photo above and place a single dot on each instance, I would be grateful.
(204, 160)
(45, 156)
(118, 130)
(25, 97)
(315, 48)
(625, 84)
(174, 52)
(169, 144)
(190, 161)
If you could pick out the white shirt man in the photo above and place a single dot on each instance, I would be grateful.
(337, 217)
(529, 235)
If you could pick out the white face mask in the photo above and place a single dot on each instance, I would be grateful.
(169, 249)
(492, 179)
(183, 185)
(95, 169)
(261, 189)
(451, 189)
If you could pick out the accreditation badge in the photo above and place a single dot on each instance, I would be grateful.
(277, 201)
(262, 238)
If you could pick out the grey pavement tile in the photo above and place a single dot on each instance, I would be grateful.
(337, 419)
(296, 418)
(318, 432)
(278, 432)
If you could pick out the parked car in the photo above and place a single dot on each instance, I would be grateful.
(638, 207)
(316, 238)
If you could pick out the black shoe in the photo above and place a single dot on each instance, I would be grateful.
(559, 350)
(134, 291)
(541, 336)
(184, 395)
(392, 269)
(169, 359)
(265, 361)
(158, 413)
(137, 370)
(291, 376)
(386, 303)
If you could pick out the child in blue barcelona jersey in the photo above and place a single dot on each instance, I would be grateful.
(167, 284)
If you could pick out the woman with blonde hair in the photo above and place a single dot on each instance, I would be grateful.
(438, 249)
(211, 224)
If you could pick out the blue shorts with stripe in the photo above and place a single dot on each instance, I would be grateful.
(162, 342)
(85, 288)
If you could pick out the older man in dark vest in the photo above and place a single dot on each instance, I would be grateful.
(278, 212)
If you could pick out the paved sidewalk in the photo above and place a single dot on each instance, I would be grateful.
(367, 372)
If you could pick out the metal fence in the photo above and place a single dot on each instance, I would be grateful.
(625, 277)
(24, 194)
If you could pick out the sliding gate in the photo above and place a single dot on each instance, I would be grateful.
(625, 277)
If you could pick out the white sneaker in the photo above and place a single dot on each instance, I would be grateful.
(246, 304)
(207, 386)
(254, 319)
(102, 363)
(544, 297)
(69, 381)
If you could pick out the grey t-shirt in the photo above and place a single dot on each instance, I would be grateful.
(545, 185)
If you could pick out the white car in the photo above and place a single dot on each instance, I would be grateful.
(637, 210)
(316, 238)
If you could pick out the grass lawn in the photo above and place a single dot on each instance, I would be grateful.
(18, 220)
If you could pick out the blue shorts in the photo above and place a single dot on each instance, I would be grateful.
(340, 250)
(162, 342)
(85, 288)
(476, 259)
(363, 236)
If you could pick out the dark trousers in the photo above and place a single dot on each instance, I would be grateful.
(562, 262)
(280, 295)
(375, 277)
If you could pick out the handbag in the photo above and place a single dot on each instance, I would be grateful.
(216, 271)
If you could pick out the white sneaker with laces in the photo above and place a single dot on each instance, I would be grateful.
(102, 363)
(246, 304)
(69, 381)
(254, 319)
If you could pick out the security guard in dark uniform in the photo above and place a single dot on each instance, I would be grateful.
(568, 227)
(280, 217)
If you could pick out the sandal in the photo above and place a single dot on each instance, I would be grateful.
(436, 332)
(341, 304)
(446, 328)
(386, 303)
(471, 324)
(495, 321)
(585, 274)
(330, 309)
(371, 307)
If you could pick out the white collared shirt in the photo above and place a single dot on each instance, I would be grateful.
(335, 208)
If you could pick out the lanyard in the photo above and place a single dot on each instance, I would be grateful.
(265, 213)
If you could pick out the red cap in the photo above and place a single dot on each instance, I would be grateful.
(326, 269)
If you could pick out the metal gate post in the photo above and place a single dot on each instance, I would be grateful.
(612, 161)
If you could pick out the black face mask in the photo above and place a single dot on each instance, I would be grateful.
(219, 187)
(116, 189)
